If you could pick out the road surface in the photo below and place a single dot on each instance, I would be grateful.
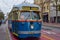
(52, 32)
(47, 33)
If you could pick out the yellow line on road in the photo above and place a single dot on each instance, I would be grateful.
(43, 35)
(7, 34)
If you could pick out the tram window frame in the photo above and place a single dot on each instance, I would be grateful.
(25, 19)
(9, 16)
(37, 14)
(14, 13)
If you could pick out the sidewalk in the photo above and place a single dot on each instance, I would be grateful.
(4, 32)
(51, 24)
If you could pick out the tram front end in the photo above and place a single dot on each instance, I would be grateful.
(26, 21)
(27, 28)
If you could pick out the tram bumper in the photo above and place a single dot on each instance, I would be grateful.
(26, 34)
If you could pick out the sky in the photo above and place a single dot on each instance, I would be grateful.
(7, 5)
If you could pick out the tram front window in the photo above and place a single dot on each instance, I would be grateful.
(29, 15)
(25, 15)
(35, 16)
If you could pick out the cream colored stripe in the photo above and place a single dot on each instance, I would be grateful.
(28, 32)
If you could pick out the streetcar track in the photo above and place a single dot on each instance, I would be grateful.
(54, 34)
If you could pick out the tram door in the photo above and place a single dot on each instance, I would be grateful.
(15, 24)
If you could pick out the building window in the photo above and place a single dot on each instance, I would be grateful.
(44, 8)
(58, 0)
(47, 7)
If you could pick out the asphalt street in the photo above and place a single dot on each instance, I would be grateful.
(52, 32)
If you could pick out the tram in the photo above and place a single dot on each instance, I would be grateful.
(25, 21)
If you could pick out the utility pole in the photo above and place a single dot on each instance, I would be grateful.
(42, 5)
(56, 11)
(49, 10)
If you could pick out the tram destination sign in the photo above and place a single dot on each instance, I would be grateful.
(34, 8)
(30, 8)
(26, 8)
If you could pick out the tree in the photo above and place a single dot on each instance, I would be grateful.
(1, 15)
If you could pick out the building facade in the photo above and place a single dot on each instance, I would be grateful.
(53, 11)
(48, 10)
(45, 9)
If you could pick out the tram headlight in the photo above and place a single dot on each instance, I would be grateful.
(32, 27)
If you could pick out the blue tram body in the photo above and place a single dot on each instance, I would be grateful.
(10, 25)
(24, 30)
(29, 24)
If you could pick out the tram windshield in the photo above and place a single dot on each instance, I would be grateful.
(35, 16)
(25, 15)
(29, 15)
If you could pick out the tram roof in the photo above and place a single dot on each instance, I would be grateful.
(25, 4)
